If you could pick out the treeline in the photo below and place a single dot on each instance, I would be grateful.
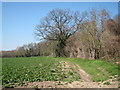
(92, 44)
(33, 49)
(96, 36)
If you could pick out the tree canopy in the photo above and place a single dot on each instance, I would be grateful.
(59, 25)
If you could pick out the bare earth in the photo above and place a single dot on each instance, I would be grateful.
(75, 84)
(0, 87)
(85, 83)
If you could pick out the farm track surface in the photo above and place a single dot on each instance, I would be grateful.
(85, 81)
(84, 76)
(0, 87)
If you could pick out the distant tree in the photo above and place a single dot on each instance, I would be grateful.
(117, 19)
(20, 52)
(30, 50)
(45, 48)
(58, 26)
(36, 49)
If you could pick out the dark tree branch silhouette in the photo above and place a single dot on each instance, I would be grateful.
(59, 25)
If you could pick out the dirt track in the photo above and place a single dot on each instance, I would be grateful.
(85, 83)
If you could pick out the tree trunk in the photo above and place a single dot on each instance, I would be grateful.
(60, 52)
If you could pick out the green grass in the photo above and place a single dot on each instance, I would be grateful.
(107, 83)
(100, 70)
(30, 69)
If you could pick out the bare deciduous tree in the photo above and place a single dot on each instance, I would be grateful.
(59, 25)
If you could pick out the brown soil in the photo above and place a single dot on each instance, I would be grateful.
(75, 84)
(0, 87)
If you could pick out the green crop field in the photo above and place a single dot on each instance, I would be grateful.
(31, 69)
(18, 70)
